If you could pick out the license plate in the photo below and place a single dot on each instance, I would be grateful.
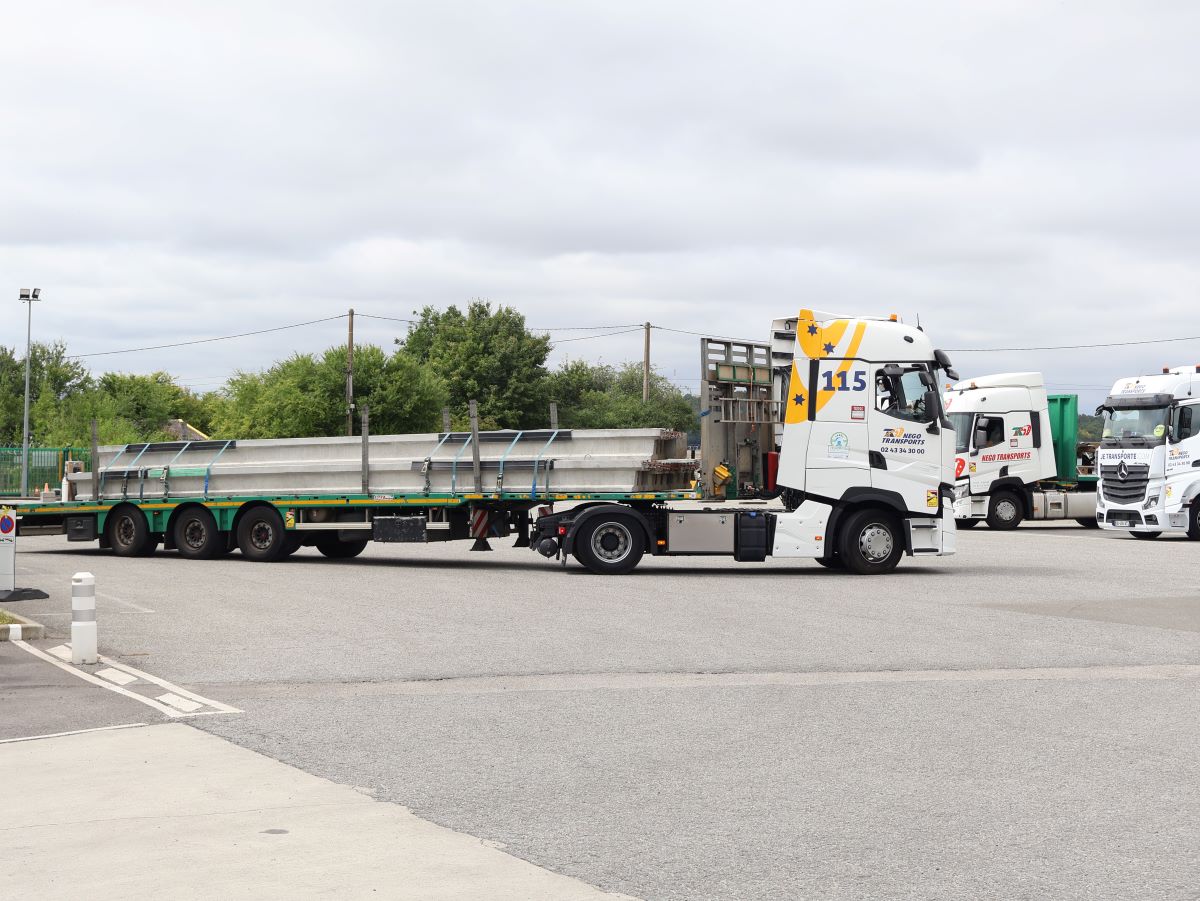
(1122, 523)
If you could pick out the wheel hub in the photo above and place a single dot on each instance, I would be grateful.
(611, 542)
(262, 535)
(1006, 510)
(125, 530)
(875, 542)
(195, 535)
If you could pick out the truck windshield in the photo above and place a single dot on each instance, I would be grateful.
(962, 431)
(1143, 426)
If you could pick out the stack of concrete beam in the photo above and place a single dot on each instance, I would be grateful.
(532, 462)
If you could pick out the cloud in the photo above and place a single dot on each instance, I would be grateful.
(1015, 174)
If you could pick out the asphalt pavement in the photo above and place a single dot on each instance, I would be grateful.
(1020, 720)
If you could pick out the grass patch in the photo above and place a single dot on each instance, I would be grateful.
(7, 619)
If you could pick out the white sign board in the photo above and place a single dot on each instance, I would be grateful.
(8, 549)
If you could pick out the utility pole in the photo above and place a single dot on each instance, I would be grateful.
(646, 368)
(350, 376)
(27, 297)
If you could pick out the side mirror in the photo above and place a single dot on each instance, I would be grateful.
(931, 408)
(892, 370)
(928, 379)
(981, 432)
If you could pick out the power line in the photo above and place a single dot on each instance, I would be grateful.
(278, 328)
(991, 350)
(604, 335)
(532, 328)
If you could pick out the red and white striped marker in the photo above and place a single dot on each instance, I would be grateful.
(480, 523)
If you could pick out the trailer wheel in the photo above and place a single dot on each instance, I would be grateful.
(1004, 511)
(610, 544)
(1088, 522)
(196, 535)
(128, 532)
(261, 535)
(871, 542)
(966, 523)
(331, 547)
(1146, 536)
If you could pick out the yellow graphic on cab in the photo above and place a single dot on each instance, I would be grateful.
(819, 343)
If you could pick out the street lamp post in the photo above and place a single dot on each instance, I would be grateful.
(27, 297)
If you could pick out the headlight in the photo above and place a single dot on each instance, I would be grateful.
(1151, 501)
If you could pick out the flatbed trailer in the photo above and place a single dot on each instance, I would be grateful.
(339, 526)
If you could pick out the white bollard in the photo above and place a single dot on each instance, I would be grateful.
(83, 618)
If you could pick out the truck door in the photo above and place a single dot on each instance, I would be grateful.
(907, 457)
(984, 467)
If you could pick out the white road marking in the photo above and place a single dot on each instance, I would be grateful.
(123, 603)
(6, 741)
(62, 652)
(115, 675)
(182, 703)
(14, 632)
(182, 692)
(88, 677)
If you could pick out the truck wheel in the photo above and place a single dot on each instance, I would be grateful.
(871, 542)
(331, 547)
(1089, 523)
(261, 535)
(1004, 511)
(1193, 531)
(128, 533)
(612, 544)
(834, 562)
(966, 523)
(1145, 536)
(196, 535)
(292, 543)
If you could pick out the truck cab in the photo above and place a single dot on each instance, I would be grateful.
(1149, 455)
(1017, 453)
(867, 450)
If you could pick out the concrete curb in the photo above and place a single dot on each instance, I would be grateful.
(23, 630)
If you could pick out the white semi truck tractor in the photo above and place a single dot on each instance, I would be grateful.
(1018, 455)
(1149, 455)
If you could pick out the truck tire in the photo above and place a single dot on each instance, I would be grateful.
(331, 547)
(871, 542)
(1193, 531)
(834, 562)
(196, 535)
(1146, 536)
(1088, 522)
(128, 533)
(1005, 511)
(292, 543)
(611, 544)
(260, 534)
(966, 523)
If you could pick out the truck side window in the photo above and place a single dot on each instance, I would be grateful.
(1182, 427)
(902, 396)
(995, 432)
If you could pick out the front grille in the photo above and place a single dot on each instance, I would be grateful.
(1130, 491)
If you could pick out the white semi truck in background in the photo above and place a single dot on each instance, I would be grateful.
(1017, 452)
(1150, 455)
(867, 459)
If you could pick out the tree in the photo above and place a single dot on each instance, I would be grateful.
(601, 397)
(53, 377)
(305, 396)
(488, 356)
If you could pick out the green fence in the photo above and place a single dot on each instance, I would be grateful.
(45, 466)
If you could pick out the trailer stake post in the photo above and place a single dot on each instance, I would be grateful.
(475, 467)
(366, 449)
(95, 461)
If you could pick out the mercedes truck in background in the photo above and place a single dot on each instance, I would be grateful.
(1149, 455)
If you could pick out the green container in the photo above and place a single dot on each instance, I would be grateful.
(1064, 432)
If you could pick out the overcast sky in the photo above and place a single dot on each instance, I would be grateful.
(1015, 173)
